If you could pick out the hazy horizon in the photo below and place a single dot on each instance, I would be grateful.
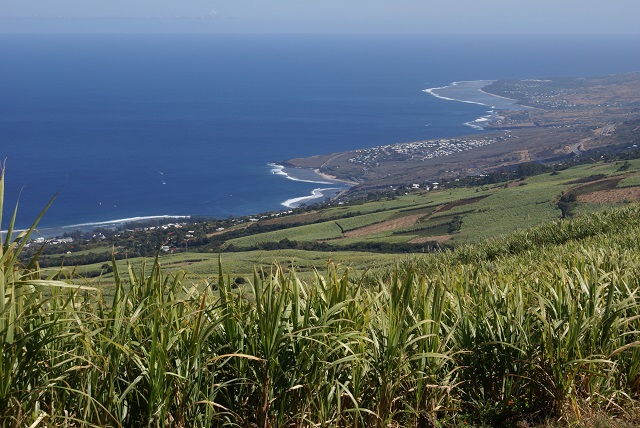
(496, 17)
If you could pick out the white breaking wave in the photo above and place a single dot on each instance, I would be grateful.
(477, 124)
(315, 194)
(58, 230)
(431, 91)
(279, 170)
(473, 89)
(126, 220)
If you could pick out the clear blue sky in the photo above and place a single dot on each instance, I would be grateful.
(323, 16)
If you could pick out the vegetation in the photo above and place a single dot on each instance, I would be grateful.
(543, 322)
(409, 221)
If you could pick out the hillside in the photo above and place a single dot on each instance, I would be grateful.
(375, 231)
(539, 326)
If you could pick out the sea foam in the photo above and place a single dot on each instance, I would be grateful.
(125, 220)
(279, 170)
(315, 194)
(470, 92)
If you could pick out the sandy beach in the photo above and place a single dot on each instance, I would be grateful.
(333, 178)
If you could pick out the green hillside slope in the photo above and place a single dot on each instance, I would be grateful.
(364, 235)
(540, 323)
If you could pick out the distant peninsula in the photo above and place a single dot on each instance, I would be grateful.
(552, 120)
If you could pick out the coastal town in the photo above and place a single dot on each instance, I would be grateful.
(565, 118)
(420, 150)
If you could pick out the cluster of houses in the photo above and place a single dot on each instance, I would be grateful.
(530, 90)
(61, 240)
(180, 238)
(50, 241)
(425, 186)
(161, 227)
(419, 150)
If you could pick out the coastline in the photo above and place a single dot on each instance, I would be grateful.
(334, 188)
(310, 175)
(500, 96)
(303, 175)
(333, 178)
(471, 87)
(469, 92)
(212, 138)
(319, 193)
(472, 92)
(91, 226)
(50, 232)
(464, 91)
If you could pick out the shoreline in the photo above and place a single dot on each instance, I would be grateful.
(469, 94)
(333, 178)
(286, 172)
(499, 96)
(53, 231)
(457, 84)
(318, 193)
(126, 220)
(465, 90)
(308, 175)
(515, 102)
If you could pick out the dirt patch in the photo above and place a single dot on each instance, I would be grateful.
(611, 196)
(523, 156)
(588, 179)
(516, 183)
(450, 215)
(596, 186)
(384, 226)
(440, 239)
(406, 221)
(460, 203)
(304, 218)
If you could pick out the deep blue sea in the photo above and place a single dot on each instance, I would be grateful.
(122, 126)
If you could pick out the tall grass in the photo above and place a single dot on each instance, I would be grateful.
(543, 322)
(33, 339)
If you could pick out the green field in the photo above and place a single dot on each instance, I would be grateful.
(480, 212)
(631, 181)
(520, 205)
(539, 327)
(511, 303)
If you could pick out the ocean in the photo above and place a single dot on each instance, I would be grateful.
(136, 126)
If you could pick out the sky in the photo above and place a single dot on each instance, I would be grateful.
(322, 16)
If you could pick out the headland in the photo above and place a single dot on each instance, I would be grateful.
(528, 120)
